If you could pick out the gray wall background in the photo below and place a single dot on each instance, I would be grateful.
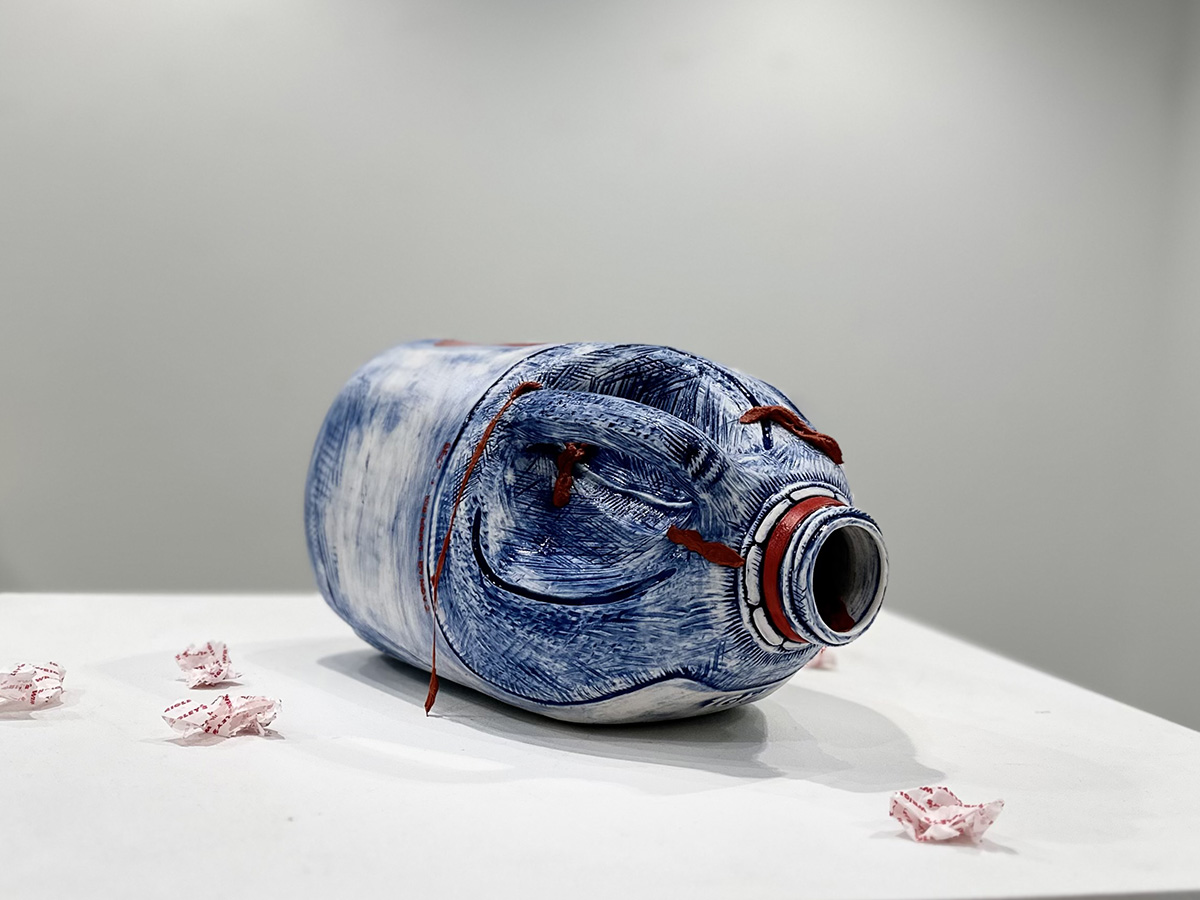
(962, 235)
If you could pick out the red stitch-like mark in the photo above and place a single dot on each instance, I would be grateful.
(571, 454)
(786, 418)
(713, 551)
(523, 388)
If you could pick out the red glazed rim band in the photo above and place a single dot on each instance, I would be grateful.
(777, 545)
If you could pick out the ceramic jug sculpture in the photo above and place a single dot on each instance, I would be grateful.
(595, 532)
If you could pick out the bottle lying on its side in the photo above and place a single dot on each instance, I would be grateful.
(595, 532)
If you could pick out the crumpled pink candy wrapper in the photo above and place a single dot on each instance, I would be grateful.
(225, 716)
(936, 814)
(825, 659)
(30, 685)
(207, 664)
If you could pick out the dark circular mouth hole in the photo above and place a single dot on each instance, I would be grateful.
(846, 577)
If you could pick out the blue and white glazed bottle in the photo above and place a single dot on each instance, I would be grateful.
(597, 532)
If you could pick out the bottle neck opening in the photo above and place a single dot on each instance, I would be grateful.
(816, 574)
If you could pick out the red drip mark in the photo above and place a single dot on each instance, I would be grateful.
(777, 545)
(571, 454)
(783, 416)
(523, 388)
(434, 684)
(713, 551)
